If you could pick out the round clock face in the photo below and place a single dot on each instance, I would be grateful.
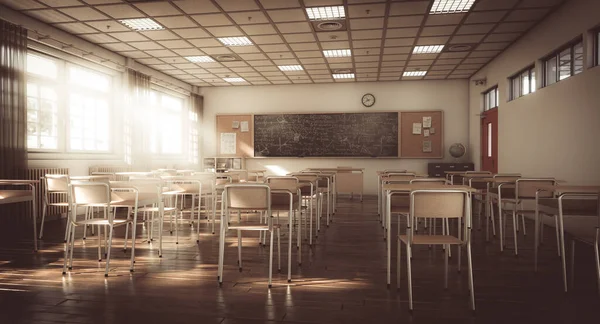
(368, 100)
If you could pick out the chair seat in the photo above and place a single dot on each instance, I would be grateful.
(431, 239)
(252, 227)
(59, 204)
(15, 196)
(400, 210)
(156, 209)
(101, 221)
(284, 207)
(579, 207)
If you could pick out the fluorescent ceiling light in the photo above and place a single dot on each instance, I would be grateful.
(200, 59)
(141, 24)
(414, 73)
(234, 80)
(324, 13)
(451, 6)
(337, 53)
(235, 41)
(290, 67)
(343, 76)
(428, 49)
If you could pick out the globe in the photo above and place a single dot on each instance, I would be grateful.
(457, 150)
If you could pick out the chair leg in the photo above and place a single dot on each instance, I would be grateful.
(492, 219)
(446, 266)
(562, 247)
(126, 235)
(67, 245)
(515, 231)
(239, 235)
(278, 250)
(399, 263)
(110, 235)
(572, 263)
(99, 244)
(221, 251)
(557, 235)
(597, 255)
(271, 260)
(44, 208)
(501, 226)
(523, 223)
(72, 247)
(409, 276)
(471, 285)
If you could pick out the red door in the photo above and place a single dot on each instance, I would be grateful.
(489, 140)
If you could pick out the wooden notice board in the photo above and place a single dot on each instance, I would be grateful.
(227, 126)
(418, 139)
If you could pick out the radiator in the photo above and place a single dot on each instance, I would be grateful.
(38, 174)
(110, 169)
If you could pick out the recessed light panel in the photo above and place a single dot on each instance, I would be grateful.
(324, 13)
(343, 76)
(414, 73)
(235, 41)
(451, 6)
(141, 24)
(290, 67)
(428, 49)
(199, 59)
(231, 80)
(337, 53)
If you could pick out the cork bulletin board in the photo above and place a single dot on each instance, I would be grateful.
(234, 135)
(422, 134)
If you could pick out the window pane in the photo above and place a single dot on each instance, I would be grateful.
(489, 140)
(525, 82)
(515, 88)
(42, 117)
(89, 79)
(89, 126)
(41, 66)
(564, 59)
(578, 60)
(550, 71)
(494, 98)
(532, 79)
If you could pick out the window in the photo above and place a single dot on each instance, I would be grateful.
(490, 99)
(563, 63)
(523, 83)
(166, 123)
(58, 91)
(194, 140)
(42, 103)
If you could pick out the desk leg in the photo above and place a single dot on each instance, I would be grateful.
(291, 229)
(536, 234)
(379, 197)
(389, 241)
(135, 214)
(34, 216)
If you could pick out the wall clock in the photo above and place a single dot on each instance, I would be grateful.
(368, 100)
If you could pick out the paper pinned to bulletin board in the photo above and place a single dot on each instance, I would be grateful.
(228, 144)
(422, 134)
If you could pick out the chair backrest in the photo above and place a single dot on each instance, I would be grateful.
(400, 177)
(283, 182)
(525, 188)
(146, 185)
(238, 175)
(438, 203)
(395, 171)
(428, 181)
(57, 182)
(90, 193)
(478, 172)
(246, 196)
(166, 172)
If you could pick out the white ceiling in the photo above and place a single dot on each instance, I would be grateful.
(380, 33)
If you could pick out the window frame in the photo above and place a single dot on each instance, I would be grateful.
(486, 98)
(184, 120)
(597, 47)
(555, 55)
(518, 78)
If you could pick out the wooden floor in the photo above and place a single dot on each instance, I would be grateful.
(341, 280)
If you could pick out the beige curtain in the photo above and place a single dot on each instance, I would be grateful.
(13, 101)
(136, 124)
(197, 109)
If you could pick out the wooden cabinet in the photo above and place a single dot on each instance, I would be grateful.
(437, 169)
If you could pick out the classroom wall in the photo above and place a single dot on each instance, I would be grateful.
(451, 96)
(555, 131)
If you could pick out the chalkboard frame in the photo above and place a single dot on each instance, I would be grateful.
(396, 140)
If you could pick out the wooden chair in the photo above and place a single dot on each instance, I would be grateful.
(247, 197)
(444, 204)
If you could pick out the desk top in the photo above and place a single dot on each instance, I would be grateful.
(338, 169)
(90, 177)
(18, 182)
(404, 187)
(570, 188)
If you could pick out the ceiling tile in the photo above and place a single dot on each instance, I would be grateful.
(399, 42)
(296, 27)
(172, 44)
(99, 38)
(366, 23)
(120, 11)
(437, 40)
(483, 17)
(332, 36)
(76, 28)
(225, 31)
(448, 55)
(465, 39)
(286, 62)
(275, 4)
(424, 56)
(174, 60)
(205, 42)
(366, 51)
(409, 8)
(156, 9)
(438, 31)
(237, 5)
(107, 26)
(370, 58)
(188, 51)
(332, 60)
(274, 48)
(263, 65)
(118, 47)
(367, 64)
(287, 15)
(83, 13)
(513, 27)
(245, 49)
(191, 33)
(129, 36)
(366, 10)
(196, 6)
(299, 38)
(252, 57)
(494, 4)
(267, 39)
(477, 60)
(397, 50)
(484, 53)
(217, 50)
(264, 29)
(212, 20)
(315, 60)
(474, 29)
(135, 54)
(49, 16)
(491, 46)
(159, 34)
(317, 3)
(160, 53)
(448, 61)
(176, 22)
(335, 45)
(527, 15)
(146, 45)
(394, 57)
(401, 32)
(304, 46)
(250, 17)
(23, 4)
(502, 37)
(442, 67)
(437, 20)
(366, 43)
(404, 21)
(539, 3)
(309, 54)
(367, 34)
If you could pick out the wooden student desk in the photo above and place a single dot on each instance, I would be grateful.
(391, 189)
(350, 180)
(20, 195)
